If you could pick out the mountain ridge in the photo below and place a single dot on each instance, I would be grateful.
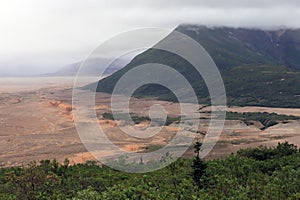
(92, 70)
(269, 43)
(252, 54)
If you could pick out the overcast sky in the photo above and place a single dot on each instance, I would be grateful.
(39, 36)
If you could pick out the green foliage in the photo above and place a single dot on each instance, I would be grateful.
(88, 194)
(259, 173)
(140, 119)
(266, 119)
(33, 182)
(121, 116)
(265, 153)
(198, 165)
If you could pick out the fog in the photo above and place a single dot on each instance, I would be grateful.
(42, 36)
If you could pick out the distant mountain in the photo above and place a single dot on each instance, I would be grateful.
(68, 70)
(92, 70)
(259, 67)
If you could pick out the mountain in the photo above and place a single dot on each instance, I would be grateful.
(93, 69)
(231, 47)
(259, 67)
(68, 70)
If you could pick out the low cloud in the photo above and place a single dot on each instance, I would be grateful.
(42, 36)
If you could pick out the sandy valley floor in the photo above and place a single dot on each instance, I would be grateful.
(37, 123)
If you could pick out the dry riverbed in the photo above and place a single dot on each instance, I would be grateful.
(38, 124)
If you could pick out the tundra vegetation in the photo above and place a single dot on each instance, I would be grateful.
(258, 173)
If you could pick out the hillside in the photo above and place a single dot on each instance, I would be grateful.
(258, 67)
(72, 69)
(231, 47)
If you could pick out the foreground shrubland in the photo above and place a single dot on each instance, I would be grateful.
(260, 173)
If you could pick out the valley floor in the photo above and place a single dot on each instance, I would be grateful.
(38, 124)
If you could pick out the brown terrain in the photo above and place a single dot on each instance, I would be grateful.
(37, 123)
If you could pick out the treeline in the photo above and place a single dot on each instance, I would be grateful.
(266, 119)
(140, 119)
(259, 173)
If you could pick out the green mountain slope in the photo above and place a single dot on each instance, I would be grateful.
(237, 46)
(262, 85)
(251, 63)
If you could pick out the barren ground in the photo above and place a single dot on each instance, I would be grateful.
(36, 122)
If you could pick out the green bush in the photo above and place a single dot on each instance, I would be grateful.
(259, 173)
